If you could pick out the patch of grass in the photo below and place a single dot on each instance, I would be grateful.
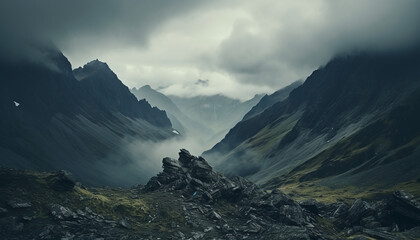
(358, 235)
(147, 212)
(270, 136)
(305, 190)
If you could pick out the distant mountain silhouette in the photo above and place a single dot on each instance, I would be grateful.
(182, 123)
(268, 100)
(217, 112)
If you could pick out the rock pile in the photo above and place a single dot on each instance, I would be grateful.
(202, 188)
(188, 200)
(260, 213)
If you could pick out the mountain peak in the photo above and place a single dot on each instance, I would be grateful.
(96, 64)
(92, 68)
(146, 87)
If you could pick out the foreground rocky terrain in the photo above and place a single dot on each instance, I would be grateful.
(188, 200)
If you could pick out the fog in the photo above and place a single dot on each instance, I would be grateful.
(241, 47)
(136, 161)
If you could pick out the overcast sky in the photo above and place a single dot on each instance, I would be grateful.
(241, 47)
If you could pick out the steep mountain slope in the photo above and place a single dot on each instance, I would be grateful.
(268, 100)
(217, 112)
(111, 94)
(179, 120)
(335, 102)
(382, 153)
(52, 121)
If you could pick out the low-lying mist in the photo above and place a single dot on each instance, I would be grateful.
(138, 160)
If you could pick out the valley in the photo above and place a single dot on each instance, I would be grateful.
(218, 120)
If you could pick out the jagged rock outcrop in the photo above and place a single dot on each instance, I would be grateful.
(258, 212)
(188, 200)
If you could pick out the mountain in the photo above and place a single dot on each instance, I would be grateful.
(111, 94)
(207, 119)
(348, 123)
(217, 112)
(182, 123)
(82, 120)
(268, 100)
(385, 151)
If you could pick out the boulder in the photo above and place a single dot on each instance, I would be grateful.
(201, 169)
(266, 208)
(367, 220)
(279, 198)
(62, 213)
(124, 223)
(406, 205)
(17, 203)
(214, 215)
(61, 181)
(357, 211)
(291, 214)
(152, 185)
(341, 211)
(170, 165)
(185, 157)
(311, 205)
(253, 228)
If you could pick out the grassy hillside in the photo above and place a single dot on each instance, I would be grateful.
(379, 158)
(148, 213)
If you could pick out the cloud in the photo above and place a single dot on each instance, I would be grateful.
(286, 40)
(139, 160)
(242, 47)
(79, 21)
(203, 83)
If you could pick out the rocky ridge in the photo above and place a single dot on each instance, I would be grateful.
(188, 200)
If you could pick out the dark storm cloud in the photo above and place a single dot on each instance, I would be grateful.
(242, 46)
(86, 22)
(289, 38)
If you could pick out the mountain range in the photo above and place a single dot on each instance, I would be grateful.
(333, 157)
(180, 121)
(353, 122)
(205, 118)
